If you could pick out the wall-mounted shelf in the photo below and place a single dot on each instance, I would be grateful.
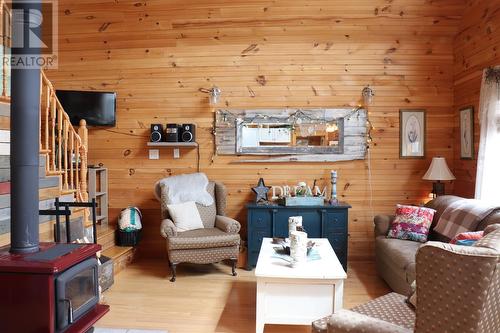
(173, 144)
(154, 154)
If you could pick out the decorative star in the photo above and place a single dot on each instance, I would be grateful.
(261, 192)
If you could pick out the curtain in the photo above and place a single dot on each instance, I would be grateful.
(488, 161)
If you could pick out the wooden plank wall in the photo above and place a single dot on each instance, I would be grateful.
(477, 46)
(263, 54)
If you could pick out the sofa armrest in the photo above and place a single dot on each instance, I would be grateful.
(382, 224)
(168, 228)
(345, 321)
(227, 224)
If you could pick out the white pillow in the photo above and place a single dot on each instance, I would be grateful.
(185, 216)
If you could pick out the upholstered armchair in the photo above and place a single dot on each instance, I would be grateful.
(458, 290)
(218, 240)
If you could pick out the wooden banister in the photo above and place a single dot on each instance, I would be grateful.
(65, 147)
(5, 30)
(84, 136)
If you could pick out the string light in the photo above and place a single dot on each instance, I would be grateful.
(298, 117)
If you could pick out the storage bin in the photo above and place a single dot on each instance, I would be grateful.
(128, 238)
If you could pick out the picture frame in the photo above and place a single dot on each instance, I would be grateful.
(466, 118)
(412, 129)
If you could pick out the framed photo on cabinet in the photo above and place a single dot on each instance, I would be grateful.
(412, 133)
(467, 133)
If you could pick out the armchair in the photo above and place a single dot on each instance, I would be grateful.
(218, 240)
(457, 291)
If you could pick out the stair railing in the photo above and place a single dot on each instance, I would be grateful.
(66, 148)
(5, 37)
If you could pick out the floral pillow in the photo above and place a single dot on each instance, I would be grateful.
(411, 223)
(467, 238)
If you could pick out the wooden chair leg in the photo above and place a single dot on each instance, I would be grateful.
(173, 268)
(234, 262)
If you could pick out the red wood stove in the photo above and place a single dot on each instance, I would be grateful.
(34, 296)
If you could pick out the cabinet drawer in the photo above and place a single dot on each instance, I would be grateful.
(338, 241)
(259, 226)
(335, 222)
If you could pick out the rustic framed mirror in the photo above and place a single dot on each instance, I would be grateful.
(293, 134)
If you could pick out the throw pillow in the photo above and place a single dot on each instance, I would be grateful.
(467, 238)
(412, 298)
(185, 216)
(411, 223)
(491, 239)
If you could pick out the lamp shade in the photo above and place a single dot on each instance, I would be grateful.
(438, 170)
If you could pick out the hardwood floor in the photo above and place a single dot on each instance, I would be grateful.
(206, 298)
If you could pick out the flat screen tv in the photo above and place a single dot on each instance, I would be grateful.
(97, 108)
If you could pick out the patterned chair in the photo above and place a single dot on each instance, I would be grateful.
(218, 240)
(458, 290)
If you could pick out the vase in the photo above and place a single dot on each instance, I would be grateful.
(293, 223)
(298, 246)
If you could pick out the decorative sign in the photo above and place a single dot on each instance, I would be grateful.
(287, 191)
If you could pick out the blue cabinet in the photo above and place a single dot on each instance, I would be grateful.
(327, 221)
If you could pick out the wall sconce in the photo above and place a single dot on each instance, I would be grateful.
(214, 94)
(368, 95)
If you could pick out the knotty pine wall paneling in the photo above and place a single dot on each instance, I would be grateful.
(477, 46)
(263, 54)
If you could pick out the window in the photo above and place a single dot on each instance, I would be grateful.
(488, 163)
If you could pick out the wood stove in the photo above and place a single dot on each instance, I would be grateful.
(53, 290)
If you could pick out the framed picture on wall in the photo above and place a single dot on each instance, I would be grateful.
(467, 133)
(412, 133)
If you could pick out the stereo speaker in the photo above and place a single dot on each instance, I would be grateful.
(187, 133)
(156, 133)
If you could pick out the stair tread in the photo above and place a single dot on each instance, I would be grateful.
(117, 251)
(104, 230)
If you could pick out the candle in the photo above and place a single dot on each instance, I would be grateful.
(333, 180)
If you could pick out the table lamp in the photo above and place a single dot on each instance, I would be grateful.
(438, 171)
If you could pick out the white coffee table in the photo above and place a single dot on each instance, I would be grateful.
(301, 294)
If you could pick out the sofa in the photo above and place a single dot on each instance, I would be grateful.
(457, 290)
(395, 258)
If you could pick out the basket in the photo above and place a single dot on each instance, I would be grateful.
(128, 238)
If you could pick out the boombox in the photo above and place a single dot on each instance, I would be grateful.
(187, 133)
(156, 133)
(172, 133)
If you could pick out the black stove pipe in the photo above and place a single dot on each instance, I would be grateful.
(25, 124)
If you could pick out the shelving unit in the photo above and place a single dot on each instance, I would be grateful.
(98, 190)
(174, 145)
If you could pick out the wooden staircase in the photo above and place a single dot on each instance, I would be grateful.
(63, 164)
(63, 174)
